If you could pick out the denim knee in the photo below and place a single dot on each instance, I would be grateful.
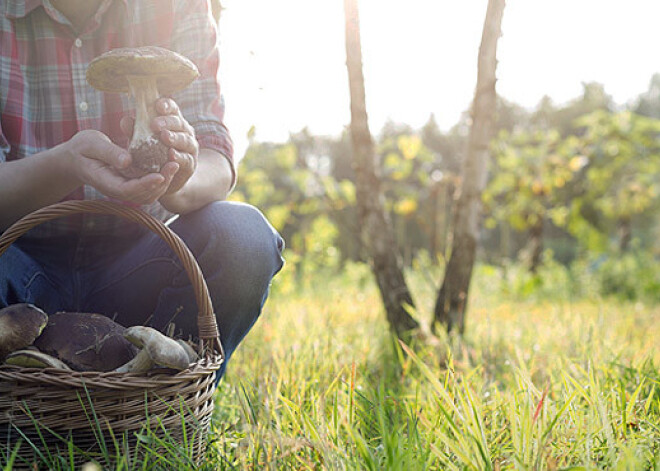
(237, 235)
(239, 252)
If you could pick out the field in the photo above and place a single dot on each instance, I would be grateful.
(541, 383)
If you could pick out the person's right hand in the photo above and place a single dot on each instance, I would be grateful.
(94, 160)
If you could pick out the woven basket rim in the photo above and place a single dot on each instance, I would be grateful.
(110, 379)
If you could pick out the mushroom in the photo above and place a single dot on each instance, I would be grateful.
(34, 359)
(157, 350)
(86, 342)
(146, 73)
(20, 325)
(190, 351)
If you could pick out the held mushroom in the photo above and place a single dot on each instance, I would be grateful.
(86, 342)
(20, 325)
(157, 350)
(146, 73)
(34, 359)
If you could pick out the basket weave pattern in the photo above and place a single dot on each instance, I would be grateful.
(48, 405)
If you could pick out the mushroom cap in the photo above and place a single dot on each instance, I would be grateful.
(34, 359)
(172, 71)
(20, 325)
(163, 350)
(86, 342)
(190, 351)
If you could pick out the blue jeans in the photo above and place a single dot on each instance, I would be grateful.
(141, 282)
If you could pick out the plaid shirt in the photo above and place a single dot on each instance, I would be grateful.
(45, 99)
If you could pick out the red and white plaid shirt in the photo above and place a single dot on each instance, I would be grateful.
(45, 99)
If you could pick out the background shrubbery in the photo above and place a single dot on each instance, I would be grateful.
(571, 206)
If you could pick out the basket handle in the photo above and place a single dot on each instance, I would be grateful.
(206, 323)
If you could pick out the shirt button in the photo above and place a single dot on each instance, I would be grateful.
(83, 106)
(78, 42)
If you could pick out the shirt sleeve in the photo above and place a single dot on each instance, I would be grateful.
(195, 36)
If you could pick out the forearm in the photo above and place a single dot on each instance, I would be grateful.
(210, 182)
(32, 183)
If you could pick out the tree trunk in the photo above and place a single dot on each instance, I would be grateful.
(625, 233)
(536, 245)
(433, 237)
(453, 295)
(377, 231)
(216, 10)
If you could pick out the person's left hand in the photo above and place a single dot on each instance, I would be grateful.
(174, 131)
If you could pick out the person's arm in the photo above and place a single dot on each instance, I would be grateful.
(29, 184)
(210, 182)
(201, 144)
(89, 157)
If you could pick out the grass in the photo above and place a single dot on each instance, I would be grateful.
(546, 384)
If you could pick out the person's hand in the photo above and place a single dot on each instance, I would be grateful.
(176, 133)
(95, 160)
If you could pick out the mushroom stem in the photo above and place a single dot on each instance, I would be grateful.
(161, 350)
(144, 90)
(139, 364)
(149, 154)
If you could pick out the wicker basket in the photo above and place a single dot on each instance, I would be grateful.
(46, 408)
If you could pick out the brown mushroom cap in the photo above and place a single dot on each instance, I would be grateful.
(172, 71)
(20, 325)
(86, 342)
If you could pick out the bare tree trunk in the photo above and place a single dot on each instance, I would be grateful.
(625, 233)
(377, 231)
(452, 298)
(216, 10)
(536, 245)
(433, 237)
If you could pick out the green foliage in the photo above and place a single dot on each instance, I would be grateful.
(596, 183)
(530, 171)
(579, 179)
(621, 177)
(631, 276)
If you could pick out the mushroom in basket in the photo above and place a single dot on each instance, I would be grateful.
(86, 342)
(33, 358)
(20, 325)
(157, 350)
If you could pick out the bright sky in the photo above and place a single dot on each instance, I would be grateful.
(283, 62)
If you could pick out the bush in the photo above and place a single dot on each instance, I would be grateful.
(630, 276)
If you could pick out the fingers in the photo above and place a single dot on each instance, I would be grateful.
(172, 123)
(186, 167)
(180, 141)
(173, 129)
(167, 106)
(149, 188)
(143, 190)
(97, 146)
(175, 132)
(106, 180)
